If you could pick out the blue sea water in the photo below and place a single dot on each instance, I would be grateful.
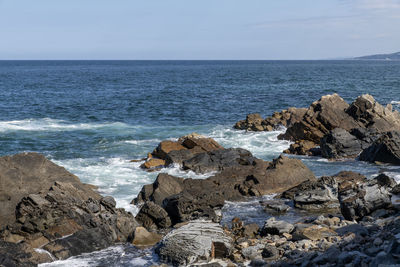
(93, 117)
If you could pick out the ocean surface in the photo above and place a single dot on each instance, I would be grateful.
(93, 117)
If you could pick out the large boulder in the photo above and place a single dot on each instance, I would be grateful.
(218, 160)
(276, 227)
(322, 116)
(153, 216)
(66, 218)
(195, 242)
(29, 173)
(385, 149)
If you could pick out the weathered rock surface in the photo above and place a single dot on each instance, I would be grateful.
(287, 118)
(339, 143)
(218, 160)
(358, 199)
(188, 199)
(30, 173)
(194, 242)
(275, 227)
(385, 149)
(144, 238)
(66, 218)
(153, 216)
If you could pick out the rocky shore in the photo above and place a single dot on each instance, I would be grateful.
(346, 219)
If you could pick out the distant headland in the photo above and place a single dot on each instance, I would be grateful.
(393, 56)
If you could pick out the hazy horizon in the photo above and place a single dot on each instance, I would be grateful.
(207, 30)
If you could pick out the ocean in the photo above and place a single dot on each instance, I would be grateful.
(93, 117)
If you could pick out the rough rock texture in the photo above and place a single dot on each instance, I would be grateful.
(65, 219)
(321, 195)
(339, 143)
(385, 149)
(358, 199)
(287, 118)
(153, 216)
(194, 242)
(176, 152)
(188, 199)
(30, 173)
(275, 227)
(144, 238)
(218, 160)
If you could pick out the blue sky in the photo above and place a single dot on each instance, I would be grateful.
(207, 29)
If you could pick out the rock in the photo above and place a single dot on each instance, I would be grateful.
(192, 205)
(303, 147)
(165, 147)
(370, 114)
(218, 160)
(143, 238)
(286, 118)
(206, 144)
(385, 149)
(339, 143)
(153, 216)
(312, 232)
(66, 219)
(187, 199)
(315, 195)
(251, 230)
(384, 180)
(352, 228)
(153, 163)
(29, 173)
(253, 122)
(274, 227)
(194, 242)
(321, 117)
(275, 206)
(358, 199)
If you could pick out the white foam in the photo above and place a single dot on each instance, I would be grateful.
(176, 170)
(47, 124)
(43, 251)
(395, 102)
(265, 145)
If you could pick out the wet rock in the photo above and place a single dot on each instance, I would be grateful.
(385, 149)
(339, 143)
(253, 122)
(303, 147)
(204, 143)
(270, 253)
(194, 242)
(275, 227)
(153, 216)
(384, 180)
(275, 206)
(153, 163)
(165, 147)
(143, 238)
(65, 219)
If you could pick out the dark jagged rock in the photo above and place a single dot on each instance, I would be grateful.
(153, 216)
(65, 219)
(385, 149)
(339, 143)
(186, 199)
(218, 160)
(360, 198)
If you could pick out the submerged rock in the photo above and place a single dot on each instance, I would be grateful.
(194, 242)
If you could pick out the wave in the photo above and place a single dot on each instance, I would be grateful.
(395, 102)
(47, 124)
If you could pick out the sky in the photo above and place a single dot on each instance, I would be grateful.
(206, 29)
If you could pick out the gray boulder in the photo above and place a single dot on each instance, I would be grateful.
(194, 242)
(385, 149)
(339, 143)
(275, 227)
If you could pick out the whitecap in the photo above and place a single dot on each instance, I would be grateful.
(47, 124)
